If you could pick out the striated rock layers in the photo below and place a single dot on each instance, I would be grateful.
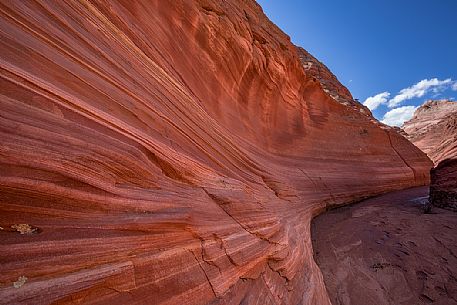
(434, 130)
(172, 152)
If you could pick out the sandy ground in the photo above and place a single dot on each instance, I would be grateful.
(384, 250)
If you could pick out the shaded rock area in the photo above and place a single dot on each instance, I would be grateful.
(384, 250)
(172, 152)
(433, 129)
(443, 187)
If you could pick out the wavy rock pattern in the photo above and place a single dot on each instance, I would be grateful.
(172, 152)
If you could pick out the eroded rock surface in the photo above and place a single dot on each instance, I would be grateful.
(172, 152)
(434, 130)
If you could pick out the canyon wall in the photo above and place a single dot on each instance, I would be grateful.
(173, 152)
(433, 129)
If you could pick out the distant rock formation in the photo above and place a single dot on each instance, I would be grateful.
(173, 152)
(433, 129)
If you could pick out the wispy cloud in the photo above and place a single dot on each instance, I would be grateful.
(397, 116)
(373, 102)
(420, 89)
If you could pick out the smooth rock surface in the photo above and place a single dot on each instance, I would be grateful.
(385, 251)
(172, 152)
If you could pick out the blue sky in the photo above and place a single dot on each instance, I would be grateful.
(398, 52)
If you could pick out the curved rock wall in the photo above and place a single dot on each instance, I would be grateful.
(171, 152)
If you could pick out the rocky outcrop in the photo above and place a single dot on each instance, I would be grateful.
(315, 69)
(434, 130)
(172, 152)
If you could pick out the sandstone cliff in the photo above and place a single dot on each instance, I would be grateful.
(172, 152)
(433, 129)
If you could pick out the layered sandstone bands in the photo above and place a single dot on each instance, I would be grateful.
(172, 152)
(433, 129)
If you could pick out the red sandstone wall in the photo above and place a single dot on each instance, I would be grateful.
(172, 152)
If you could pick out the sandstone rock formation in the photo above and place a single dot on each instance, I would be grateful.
(434, 130)
(172, 152)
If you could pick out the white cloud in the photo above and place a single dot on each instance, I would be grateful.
(454, 86)
(419, 90)
(397, 116)
(373, 102)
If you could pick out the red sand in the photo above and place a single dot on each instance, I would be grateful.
(384, 250)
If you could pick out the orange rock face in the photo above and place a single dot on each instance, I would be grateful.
(172, 152)
(434, 130)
